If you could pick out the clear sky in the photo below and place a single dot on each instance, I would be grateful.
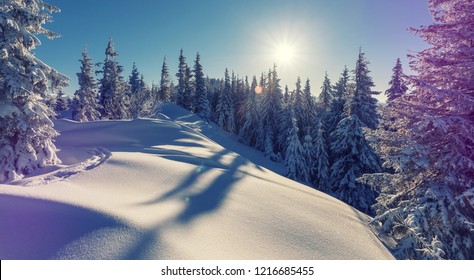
(304, 37)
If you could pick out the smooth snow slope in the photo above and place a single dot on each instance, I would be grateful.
(164, 189)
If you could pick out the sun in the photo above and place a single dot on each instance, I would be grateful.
(285, 53)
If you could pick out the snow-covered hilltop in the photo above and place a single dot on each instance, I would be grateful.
(167, 189)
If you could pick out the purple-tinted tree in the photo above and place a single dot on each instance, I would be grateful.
(428, 204)
(397, 84)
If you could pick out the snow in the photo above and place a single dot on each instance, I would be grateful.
(172, 188)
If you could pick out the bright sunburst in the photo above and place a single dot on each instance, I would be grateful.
(285, 53)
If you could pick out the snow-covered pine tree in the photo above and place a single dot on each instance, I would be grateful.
(225, 107)
(428, 204)
(364, 104)
(26, 137)
(340, 94)
(249, 132)
(61, 103)
(114, 91)
(397, 84)
(134, 80)
(320, 168)
(295, 157)
(86, 106)
(285, 125)
(201, 106)
(270, 108)
(299, 106)
(353, 158)
(184, 96)
(165, 93)
(309, 110)
(325, 97)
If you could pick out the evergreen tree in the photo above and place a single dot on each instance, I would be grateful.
(397, 84)
(202, 103)
(270, 108)
(165, 86)
(295, 159)
(114, 92)
(285, 125)
(341, 93)
(134, 80)
(353, 158)
(320, 167)
(248, 133)
(427, 205)
(309, 108)
(61, 104)
(325, 97)
(225, 107)
(364, 105)
(184, 96)
(26, 138)
(86, 101)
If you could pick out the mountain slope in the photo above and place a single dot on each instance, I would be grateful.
(164, 189)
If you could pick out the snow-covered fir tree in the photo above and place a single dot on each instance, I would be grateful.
(397, 84)
(26, 138)
(340, 94)
(134, 80)
(270, 108)
(320, 169)
(364, 104)
(225, 107)
(353, 157)
(248, 133)
(184, 96)
(165, 86)
(86, 106)
(285, 125)
(325, 97)
(428, 204)
(309, 109)
(201, 106)
(295, 162)
(114, 91)
(61, 102)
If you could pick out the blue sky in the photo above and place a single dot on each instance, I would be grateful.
(324, 35)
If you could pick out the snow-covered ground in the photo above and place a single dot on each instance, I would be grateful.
(172, 188)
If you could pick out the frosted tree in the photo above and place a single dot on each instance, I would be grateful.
(61, 103)
(225, 107)
(320, 169)
(270, 108)
(26, 138)
(295, 159)
(184, 96)
(114, 91)
(309, 108)
(134, 80)
(325, 97)
(165, 93)
(340, 94)
(397, 84)
(201, 107)
(427, 205)
(364, 105)
(285, 125)
(353, 158)
(86, 97)
(249, 131)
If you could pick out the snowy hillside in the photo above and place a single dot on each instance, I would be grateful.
(172, 188)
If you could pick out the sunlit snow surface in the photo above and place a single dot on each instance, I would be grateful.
(168, 189)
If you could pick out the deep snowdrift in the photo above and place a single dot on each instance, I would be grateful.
(164, 189)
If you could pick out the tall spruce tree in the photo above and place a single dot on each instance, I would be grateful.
(114, 91)
(295, 162)
(325, 97)
(201, 107)
(26, 138)
(364, 105)
(353, 158)
(428, 204)
(248, 133)
(225, 106)
(184, 96)
(320, 169)
(87, 102)
(134, 80)
(397, 84)
(165, 92)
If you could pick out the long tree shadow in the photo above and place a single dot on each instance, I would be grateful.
(213, 196)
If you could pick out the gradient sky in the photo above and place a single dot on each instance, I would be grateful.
(240, 35)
